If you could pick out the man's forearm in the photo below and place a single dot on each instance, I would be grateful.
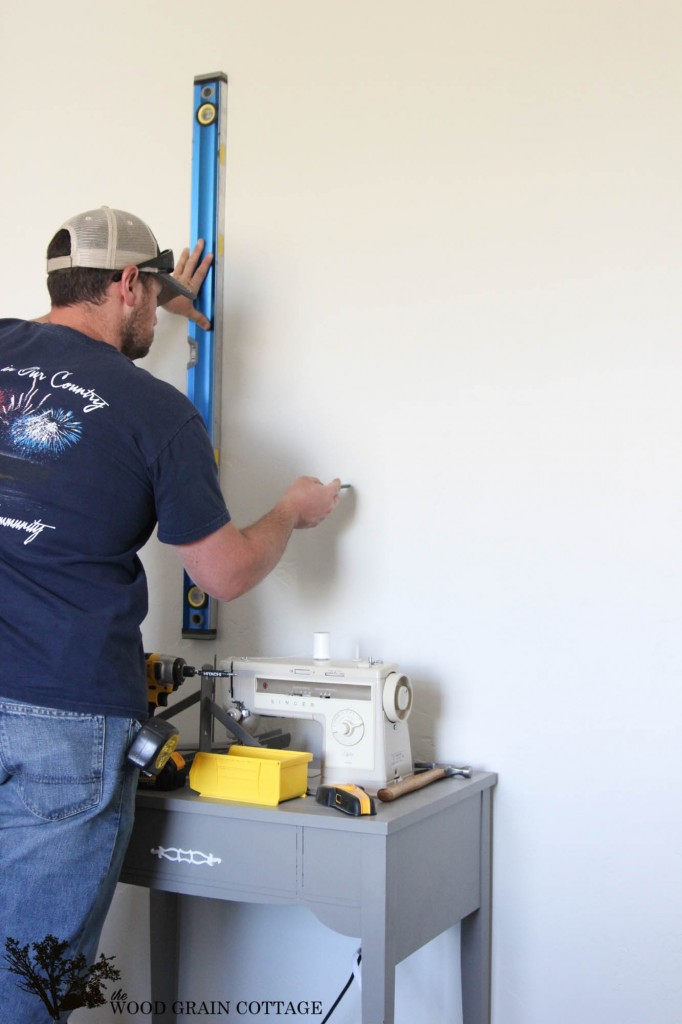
(267, 540)
(231, 561)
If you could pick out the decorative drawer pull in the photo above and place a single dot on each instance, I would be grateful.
(188, 856)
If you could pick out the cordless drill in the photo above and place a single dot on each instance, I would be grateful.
(153, 749)
(164, 675)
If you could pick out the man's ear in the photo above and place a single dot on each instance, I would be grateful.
(129, 278)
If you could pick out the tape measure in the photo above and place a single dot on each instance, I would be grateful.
(153, 745)
(349, 799)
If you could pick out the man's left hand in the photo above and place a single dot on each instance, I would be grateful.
(191, 270)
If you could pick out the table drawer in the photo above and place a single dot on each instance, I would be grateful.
(213, 856)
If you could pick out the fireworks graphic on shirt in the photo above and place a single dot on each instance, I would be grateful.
(31, 431)
(45, 433)
(12, 404)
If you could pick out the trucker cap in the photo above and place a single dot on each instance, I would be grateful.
(107, 239)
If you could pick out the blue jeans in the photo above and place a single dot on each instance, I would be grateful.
(67, 800)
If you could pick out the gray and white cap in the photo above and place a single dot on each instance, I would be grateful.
(107, 239)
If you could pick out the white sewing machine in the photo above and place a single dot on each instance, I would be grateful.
(362, 707)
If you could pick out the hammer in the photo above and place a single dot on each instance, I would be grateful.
(423, 776)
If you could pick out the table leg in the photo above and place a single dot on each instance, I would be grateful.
(378, 983)
(476, 933)
(378, 940)
(164, 932)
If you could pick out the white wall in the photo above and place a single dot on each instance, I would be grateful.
(453, 253)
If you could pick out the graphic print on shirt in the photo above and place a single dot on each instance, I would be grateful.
(32, 427)
(35, 430)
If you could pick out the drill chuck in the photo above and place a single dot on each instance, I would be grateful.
(166, 673)
(168, 670)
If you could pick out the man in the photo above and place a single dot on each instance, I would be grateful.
(94, 454)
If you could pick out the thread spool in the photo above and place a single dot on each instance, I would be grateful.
(321, 646)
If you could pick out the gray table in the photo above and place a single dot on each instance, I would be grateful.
(395, 880)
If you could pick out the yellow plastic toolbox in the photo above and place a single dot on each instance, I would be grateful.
(251, 775)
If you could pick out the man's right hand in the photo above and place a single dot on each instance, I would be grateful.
(310, 501)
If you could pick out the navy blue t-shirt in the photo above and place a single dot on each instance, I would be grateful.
(94, 452)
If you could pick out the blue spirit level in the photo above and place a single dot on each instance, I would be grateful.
(205, 360)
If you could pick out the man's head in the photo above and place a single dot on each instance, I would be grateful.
(92, 249)
(99, 248)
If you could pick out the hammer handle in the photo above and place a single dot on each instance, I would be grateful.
(397, 789)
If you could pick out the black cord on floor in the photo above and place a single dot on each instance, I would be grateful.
(345, 988)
